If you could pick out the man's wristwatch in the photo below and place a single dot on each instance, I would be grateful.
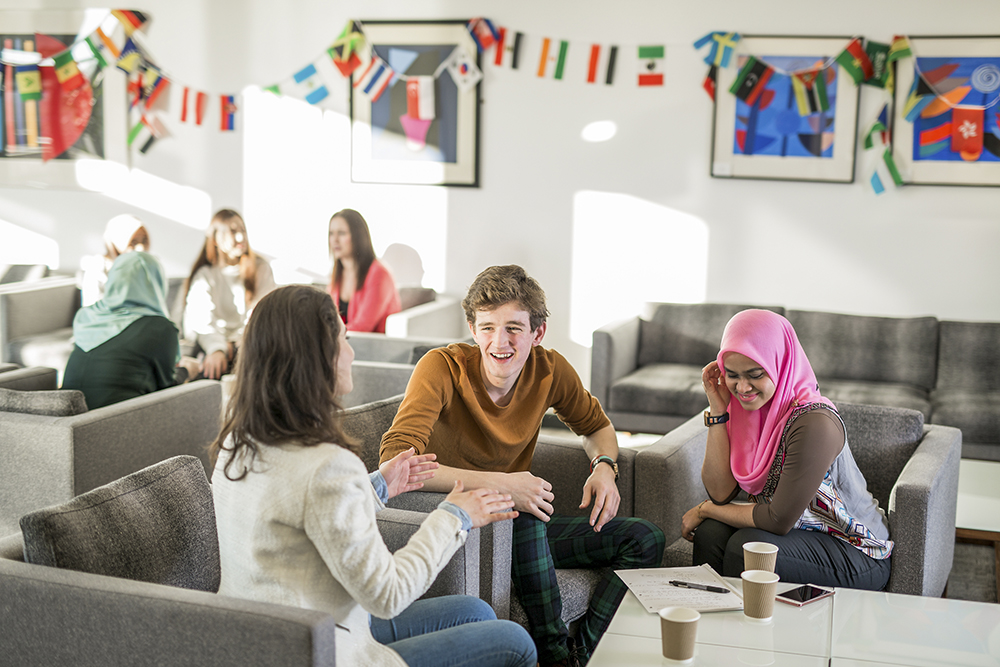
(604, 459)
(712, 421)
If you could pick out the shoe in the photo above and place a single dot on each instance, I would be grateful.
(571, 660)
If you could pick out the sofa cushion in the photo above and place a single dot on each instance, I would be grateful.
(877, 393)
(976, 413)
(877, 349)
(55, 403)
(685, 333)
(576, 587)
(968, 355)
(667, 389)
(155, 525)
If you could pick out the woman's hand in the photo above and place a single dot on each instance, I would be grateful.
(407, 471)
(715, 388)
(215, 365)
(691, 520)
(483, 506)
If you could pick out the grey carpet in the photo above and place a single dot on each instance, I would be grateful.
(973, 574)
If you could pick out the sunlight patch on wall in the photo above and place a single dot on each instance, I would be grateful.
(600, 130)
(297, 173)
(181, 203)
(22, 246)
(627, 251)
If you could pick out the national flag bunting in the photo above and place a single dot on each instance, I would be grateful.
(881, 126)
(723, 44)
(651, 65)
(153, 85)
(374, 80)
(900, 48)
(752, 80)
(196, 99)
(967, 132)
(462, 68)
(890, 164)
(97, 48)
(227, 105)
(876, 182)
(144, 133)
(710, 79)
(29, 82)
(274, 90)
(109, 43)
(559, 59)
(420, 97)
(855, 61)
(602, 66)
(309, 84)
(130, 57)
(345, 51)
(507, 44)
(130, 20)
(878, 56)
(810, 91)
(67, 71)
(484, 34)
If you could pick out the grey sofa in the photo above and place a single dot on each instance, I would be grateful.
(646, 370)
(50, 459)
(12, 376)
(124, 602)
(560, 460)
(911, 469)
(36, 321)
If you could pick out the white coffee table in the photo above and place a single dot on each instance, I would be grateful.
(977, 518)
(850, 629)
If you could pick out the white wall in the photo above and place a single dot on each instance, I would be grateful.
(915, 251)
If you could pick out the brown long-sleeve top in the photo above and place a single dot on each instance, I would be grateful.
(448, 412)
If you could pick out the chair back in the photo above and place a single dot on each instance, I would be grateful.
(366, 424)
(882, 440)
(155, 525)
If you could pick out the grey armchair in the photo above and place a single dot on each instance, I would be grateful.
(911, 469)
(35, 378)
(560, 460)
(46, 460)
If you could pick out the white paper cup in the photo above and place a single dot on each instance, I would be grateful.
(678, 630)
(759, 556)
(758, 594)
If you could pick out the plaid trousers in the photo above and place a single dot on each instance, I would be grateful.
(570, 542)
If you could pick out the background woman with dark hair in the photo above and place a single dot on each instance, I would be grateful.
(361, 286)
(295, 507)
(227, 279)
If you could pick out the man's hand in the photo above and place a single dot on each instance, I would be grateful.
(407, 471)
(530, 494)
(600, 487)
(214, 365)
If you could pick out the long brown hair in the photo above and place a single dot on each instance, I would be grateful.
(361, 246)
(211, 256)
(286, 378)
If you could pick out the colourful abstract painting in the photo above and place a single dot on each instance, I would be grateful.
(773, 126)
(958, 111)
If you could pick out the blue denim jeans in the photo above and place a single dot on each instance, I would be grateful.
(455, 631)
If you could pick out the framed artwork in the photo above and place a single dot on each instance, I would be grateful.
(386, 147)
(767, 135)
(24, 122)
(946, 112)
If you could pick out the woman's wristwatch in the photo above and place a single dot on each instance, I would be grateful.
(712, 421)
(604, 459)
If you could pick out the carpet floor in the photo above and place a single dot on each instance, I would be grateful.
(973, 573)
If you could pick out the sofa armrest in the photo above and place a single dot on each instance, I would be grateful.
(52, 616)
(36, 307)
(459, 577)
(564, 463)
(922, 509)
(12, 547)
(441, 318)
(34, 378)
(614, 355)
(668, 477)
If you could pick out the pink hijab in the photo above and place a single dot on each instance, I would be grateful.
(768, 339)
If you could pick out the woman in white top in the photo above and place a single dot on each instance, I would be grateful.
(227, 279)
(296, 508)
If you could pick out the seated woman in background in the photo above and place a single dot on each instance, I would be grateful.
(296, 508)
(361, 286)
(122, 234)
(773, 435)
(125, 344)
(227, 279)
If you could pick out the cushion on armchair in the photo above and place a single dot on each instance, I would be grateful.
(155, 525)
(56, 403)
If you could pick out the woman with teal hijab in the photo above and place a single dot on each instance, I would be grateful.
(125, 344)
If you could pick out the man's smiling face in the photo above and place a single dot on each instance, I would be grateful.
(505, 339)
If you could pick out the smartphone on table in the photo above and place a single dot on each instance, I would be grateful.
(803, 595)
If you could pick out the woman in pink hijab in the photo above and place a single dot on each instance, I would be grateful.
(774, 436)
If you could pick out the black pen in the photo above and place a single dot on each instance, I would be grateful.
(700, 587)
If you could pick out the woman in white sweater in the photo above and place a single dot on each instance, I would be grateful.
(296, 508)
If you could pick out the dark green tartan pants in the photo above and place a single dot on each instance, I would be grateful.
(570, 542)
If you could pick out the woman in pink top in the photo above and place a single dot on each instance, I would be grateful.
(361, 286)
